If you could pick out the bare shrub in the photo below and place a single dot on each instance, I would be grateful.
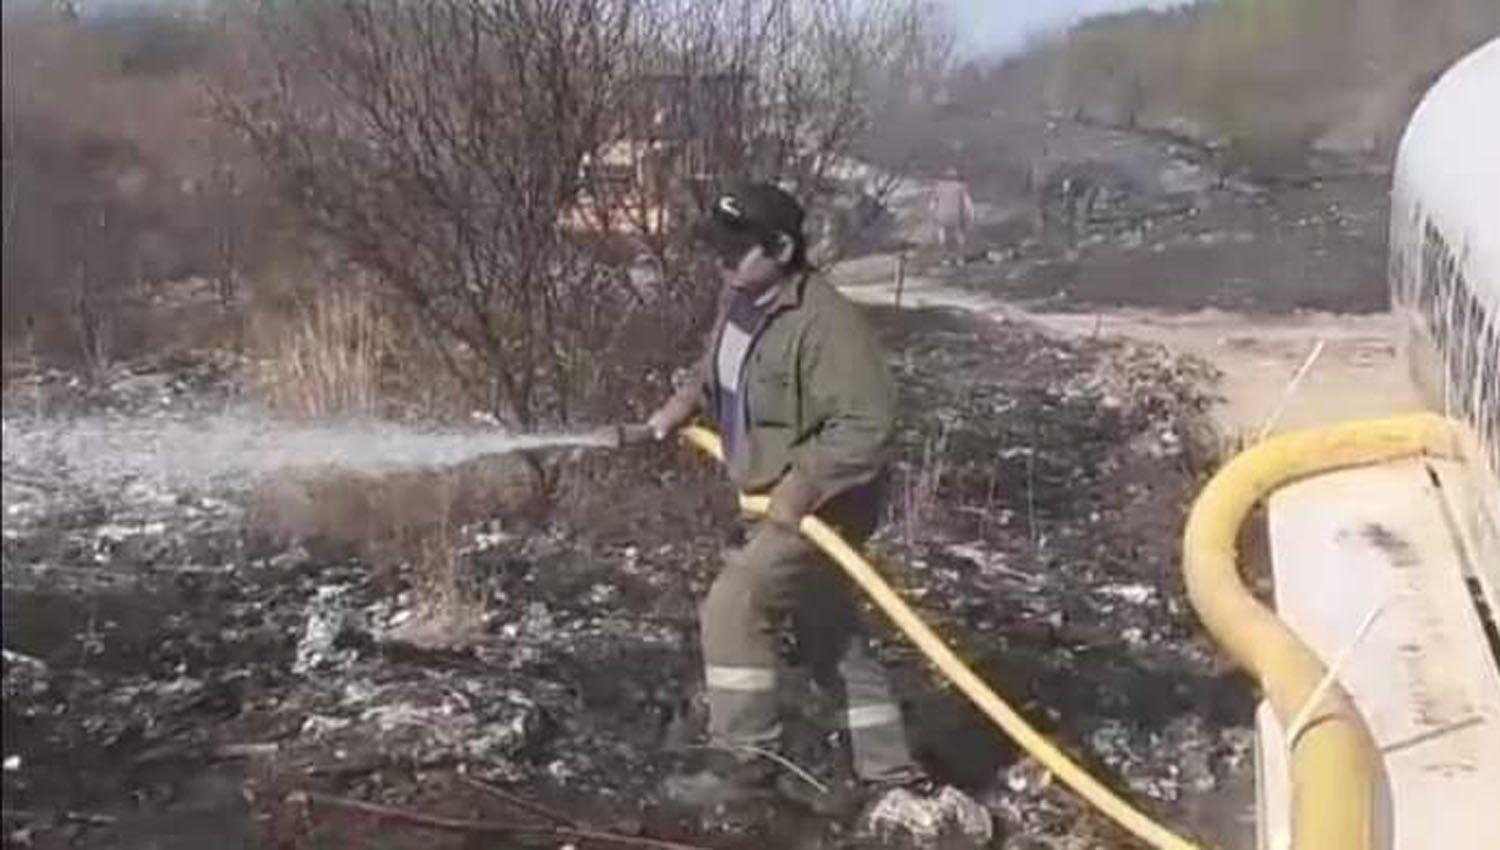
(453, 149)
(108, 181)
(67, 226)
(436, 144)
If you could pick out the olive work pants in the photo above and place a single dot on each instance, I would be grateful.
(780, 573)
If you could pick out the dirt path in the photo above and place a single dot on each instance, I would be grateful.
(1356, 373)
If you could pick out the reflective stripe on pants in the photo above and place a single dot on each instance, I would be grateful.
(740, 678)
(776, 573)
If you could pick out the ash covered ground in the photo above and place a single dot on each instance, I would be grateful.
(184, 668)
(1112, 218)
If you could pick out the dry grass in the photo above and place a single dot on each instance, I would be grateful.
(920, 487)
(338, 347)
(324, 353)
(450, 597)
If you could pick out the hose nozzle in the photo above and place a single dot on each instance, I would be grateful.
(632, 434)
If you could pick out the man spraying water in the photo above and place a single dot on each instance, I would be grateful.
(796, 381)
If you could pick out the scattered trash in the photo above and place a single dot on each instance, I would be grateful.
(331, 624)
(1135, 594)
(950, 818)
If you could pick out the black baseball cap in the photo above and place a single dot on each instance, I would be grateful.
(753, 214)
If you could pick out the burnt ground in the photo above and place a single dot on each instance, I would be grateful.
(176, 675)
(1318, 245)
(1129, 218)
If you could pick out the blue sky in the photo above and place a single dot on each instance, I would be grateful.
(986, 26)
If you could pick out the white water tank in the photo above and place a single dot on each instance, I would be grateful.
(1445, 275)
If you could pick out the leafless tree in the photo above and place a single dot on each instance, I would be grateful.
(437, 143)
(727, 89)
(475, 153)
(104, 183)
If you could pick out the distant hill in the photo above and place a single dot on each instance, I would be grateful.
(1264, 78)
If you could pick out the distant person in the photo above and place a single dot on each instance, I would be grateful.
(868, 222)
(952, 215)
(868, 211)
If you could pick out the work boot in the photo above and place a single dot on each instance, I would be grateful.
(714, 778)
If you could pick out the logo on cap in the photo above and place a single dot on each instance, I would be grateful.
(729, 205)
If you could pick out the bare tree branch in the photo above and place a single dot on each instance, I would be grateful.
(478, 154)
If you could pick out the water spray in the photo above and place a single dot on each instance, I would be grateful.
(106, 454)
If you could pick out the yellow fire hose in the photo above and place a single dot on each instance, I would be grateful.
(1334, 767)
(957, 672)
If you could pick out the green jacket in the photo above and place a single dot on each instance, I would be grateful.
(818, 402)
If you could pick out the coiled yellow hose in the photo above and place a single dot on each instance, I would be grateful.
(1335, 769)
(973, 687)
